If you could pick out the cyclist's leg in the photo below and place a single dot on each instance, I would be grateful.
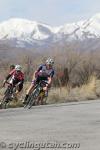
(45, 88)
(15, 91)
(29, 91)
(18, 90)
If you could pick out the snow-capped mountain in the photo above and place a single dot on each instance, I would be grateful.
(25, 33)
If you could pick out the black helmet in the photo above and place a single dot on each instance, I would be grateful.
(12, 66)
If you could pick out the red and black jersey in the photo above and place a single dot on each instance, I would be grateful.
(17, 75)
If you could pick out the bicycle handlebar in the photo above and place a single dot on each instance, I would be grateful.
(44, 81)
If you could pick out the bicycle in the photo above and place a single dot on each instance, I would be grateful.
(37, 95)
(8, 95)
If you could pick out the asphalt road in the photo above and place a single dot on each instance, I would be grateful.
(68, 126)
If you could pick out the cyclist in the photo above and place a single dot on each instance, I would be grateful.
(44, 72)
(12, 67)
(16, 77)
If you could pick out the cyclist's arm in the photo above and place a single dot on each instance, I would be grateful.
(50, 78)
(6, 80)
(49, 81)
(10, 74)
(36, 72)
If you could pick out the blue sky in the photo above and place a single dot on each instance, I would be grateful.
(53, 12)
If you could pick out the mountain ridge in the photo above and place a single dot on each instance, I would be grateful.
(25, 33)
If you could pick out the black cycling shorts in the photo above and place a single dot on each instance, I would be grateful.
(20, 86)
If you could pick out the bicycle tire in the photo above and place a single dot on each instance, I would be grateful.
(6, 99)
(32, 98)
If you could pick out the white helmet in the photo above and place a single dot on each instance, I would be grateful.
(18, 68)
(49, 61)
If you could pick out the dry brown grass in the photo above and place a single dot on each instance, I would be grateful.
(85, 92)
